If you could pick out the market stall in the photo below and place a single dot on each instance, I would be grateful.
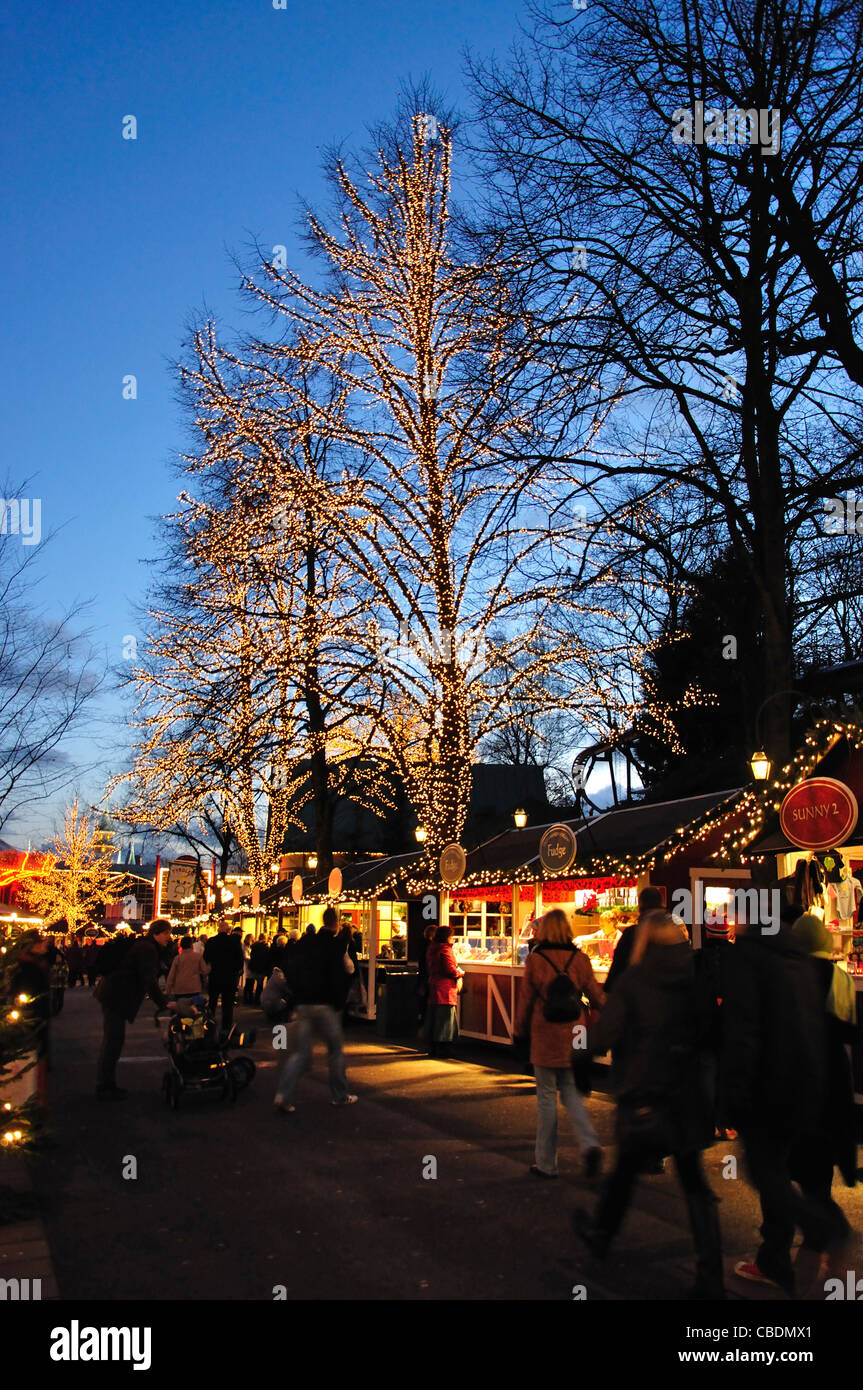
(492, 937)
(592, 869)
(807, 824)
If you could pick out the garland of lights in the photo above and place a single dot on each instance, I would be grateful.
(758, 805)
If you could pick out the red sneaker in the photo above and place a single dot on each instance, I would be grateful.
(748, 1269)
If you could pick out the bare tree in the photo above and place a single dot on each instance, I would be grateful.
(49, 678)
(703, 276)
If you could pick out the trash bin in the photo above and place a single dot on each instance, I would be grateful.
(396, 1007)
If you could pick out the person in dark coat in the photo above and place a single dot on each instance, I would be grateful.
(224, 955)
(319, 967)
(833, 1143)
(653, 1020)
(277, 953)
(710, 965)
(348, 980)
(772, 1081)
(259, 963)
(649, 900)
(75, 961)
(121, 994)
(91, 951)
(423, 974)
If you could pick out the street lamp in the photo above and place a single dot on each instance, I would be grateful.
(421, 834)
(520, 818)
(761, 765)
(312, 861)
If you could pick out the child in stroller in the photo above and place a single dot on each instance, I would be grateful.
(198, 1052)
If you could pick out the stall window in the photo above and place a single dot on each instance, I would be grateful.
(392, 930)
(482, 930)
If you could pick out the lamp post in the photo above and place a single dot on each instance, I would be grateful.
(421, 834)
(520, 818)
(760, 762)
(761, 766)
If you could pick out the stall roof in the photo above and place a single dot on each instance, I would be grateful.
(624, 833)
(636, 830)
(361, 877)
(513, 849)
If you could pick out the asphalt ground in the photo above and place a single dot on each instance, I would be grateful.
(232, 1201)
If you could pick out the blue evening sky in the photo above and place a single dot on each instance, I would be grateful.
(109, 244)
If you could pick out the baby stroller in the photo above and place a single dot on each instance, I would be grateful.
(198, 1055)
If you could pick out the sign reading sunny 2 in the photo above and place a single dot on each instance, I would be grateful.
(557, 849)
(818, 814)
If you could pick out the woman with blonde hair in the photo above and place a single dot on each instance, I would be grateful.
(556, 958)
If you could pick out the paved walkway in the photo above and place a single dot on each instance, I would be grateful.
(232, 1201)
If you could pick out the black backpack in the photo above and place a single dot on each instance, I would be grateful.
(562, 1000)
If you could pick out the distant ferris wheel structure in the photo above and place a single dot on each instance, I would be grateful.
(585, 763)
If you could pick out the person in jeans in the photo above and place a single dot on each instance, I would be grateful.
(318, 969)
(656, 1019)
(551, 1044)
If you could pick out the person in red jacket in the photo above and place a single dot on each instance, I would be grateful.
(444, 983)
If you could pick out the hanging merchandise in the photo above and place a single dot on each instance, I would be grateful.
(848, 894)
(808, 883)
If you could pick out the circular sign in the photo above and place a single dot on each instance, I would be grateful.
(557, 849)
(818, 814)
(452, 863)
(297, 888)
(334, 883)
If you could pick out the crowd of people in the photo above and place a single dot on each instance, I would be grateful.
(748, 1040)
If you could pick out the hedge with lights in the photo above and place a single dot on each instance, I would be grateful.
(21, 1123)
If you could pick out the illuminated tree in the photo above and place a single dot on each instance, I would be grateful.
(214, 726)
(81, 881)
(429, 402)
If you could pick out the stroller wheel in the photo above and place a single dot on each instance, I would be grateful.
(242, 1070)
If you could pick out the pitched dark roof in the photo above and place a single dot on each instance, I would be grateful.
(626, 832)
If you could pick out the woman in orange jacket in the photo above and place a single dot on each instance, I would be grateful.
(551, 1044)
